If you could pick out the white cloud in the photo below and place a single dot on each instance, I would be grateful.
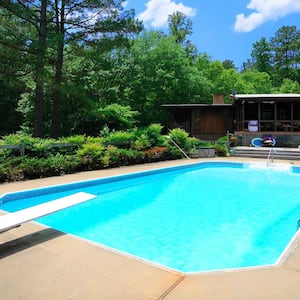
(265, 11)
(157, 12)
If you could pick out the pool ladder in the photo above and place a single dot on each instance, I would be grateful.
(270, 157)
(180, 149)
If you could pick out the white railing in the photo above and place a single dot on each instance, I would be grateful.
(270, 157)
(180, 149)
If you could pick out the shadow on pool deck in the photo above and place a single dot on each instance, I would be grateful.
(22, 243)
(42, 263)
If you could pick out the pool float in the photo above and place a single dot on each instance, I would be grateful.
(268, 140)
(260, 142)
(257, 142)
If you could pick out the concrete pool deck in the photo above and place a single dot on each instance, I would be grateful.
(41, 263)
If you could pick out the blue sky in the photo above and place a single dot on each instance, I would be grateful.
(224, 29)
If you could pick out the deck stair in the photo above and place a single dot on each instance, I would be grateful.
(263, 152)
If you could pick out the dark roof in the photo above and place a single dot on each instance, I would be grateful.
(194, 105)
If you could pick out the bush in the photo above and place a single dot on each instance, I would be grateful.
(156, 154)
(120, 139)
(142, 142)
(192, 142)
(179, 136)
(90, 156)
(10, 170)
(154, 135)
(74, 139)
(123, 157)
(221, 146)
(111, 149)
(51, 166)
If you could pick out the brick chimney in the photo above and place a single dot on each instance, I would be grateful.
(218, 99)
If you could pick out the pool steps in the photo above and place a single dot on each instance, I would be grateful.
(263, 152)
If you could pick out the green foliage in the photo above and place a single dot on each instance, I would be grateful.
(74, 139)
(145, 138)
(92, 150)
(257, 82)
(221, 149)
(118, 117)
(153, 132)
(33, 167)
(289, 86)
(222, 146)
(38, 147)
(179, 136)
(123, 157)
(161, 73)
(179, 26)
(279, 57)
(116, 148)
(141, 142)
(120, 139)
(92, 156)
(156, 154)
(51, 166)
(192, 142)
(262, 55)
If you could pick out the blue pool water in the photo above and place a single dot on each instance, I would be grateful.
(200, 217)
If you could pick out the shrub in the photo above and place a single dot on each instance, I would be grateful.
(31, 167)
(154, 135)
(116, 148)
(10, 170)
(123, 157)
(97, 140)
(74, 139)
(221, 146)
(90, 156)
(155, 153)
(192, 142)
(179, 136)
(120, 139)
(141, 142)
(91, 150)
(221, 149)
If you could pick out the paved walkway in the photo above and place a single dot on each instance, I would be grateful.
(41, 263)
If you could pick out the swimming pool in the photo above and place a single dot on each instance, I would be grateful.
(199, 217)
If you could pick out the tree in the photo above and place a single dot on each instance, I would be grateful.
(59, 27)
(27, 14)
(249, 64)
(226, 82)
(256, 82)
(87, 22)
(286, 58)
(289, 86)
(261, 55)
(179, 26)
(228, 64)
(161, 73)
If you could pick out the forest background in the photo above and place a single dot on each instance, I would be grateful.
(76, 67)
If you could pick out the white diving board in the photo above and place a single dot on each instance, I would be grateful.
(15, 219)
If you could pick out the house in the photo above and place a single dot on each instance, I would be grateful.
(204, 121)
(248, 116)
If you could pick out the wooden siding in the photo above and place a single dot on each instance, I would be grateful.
(211, 121)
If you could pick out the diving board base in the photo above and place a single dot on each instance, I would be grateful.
(15, 219)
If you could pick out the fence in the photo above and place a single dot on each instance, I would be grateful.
(22, 146)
